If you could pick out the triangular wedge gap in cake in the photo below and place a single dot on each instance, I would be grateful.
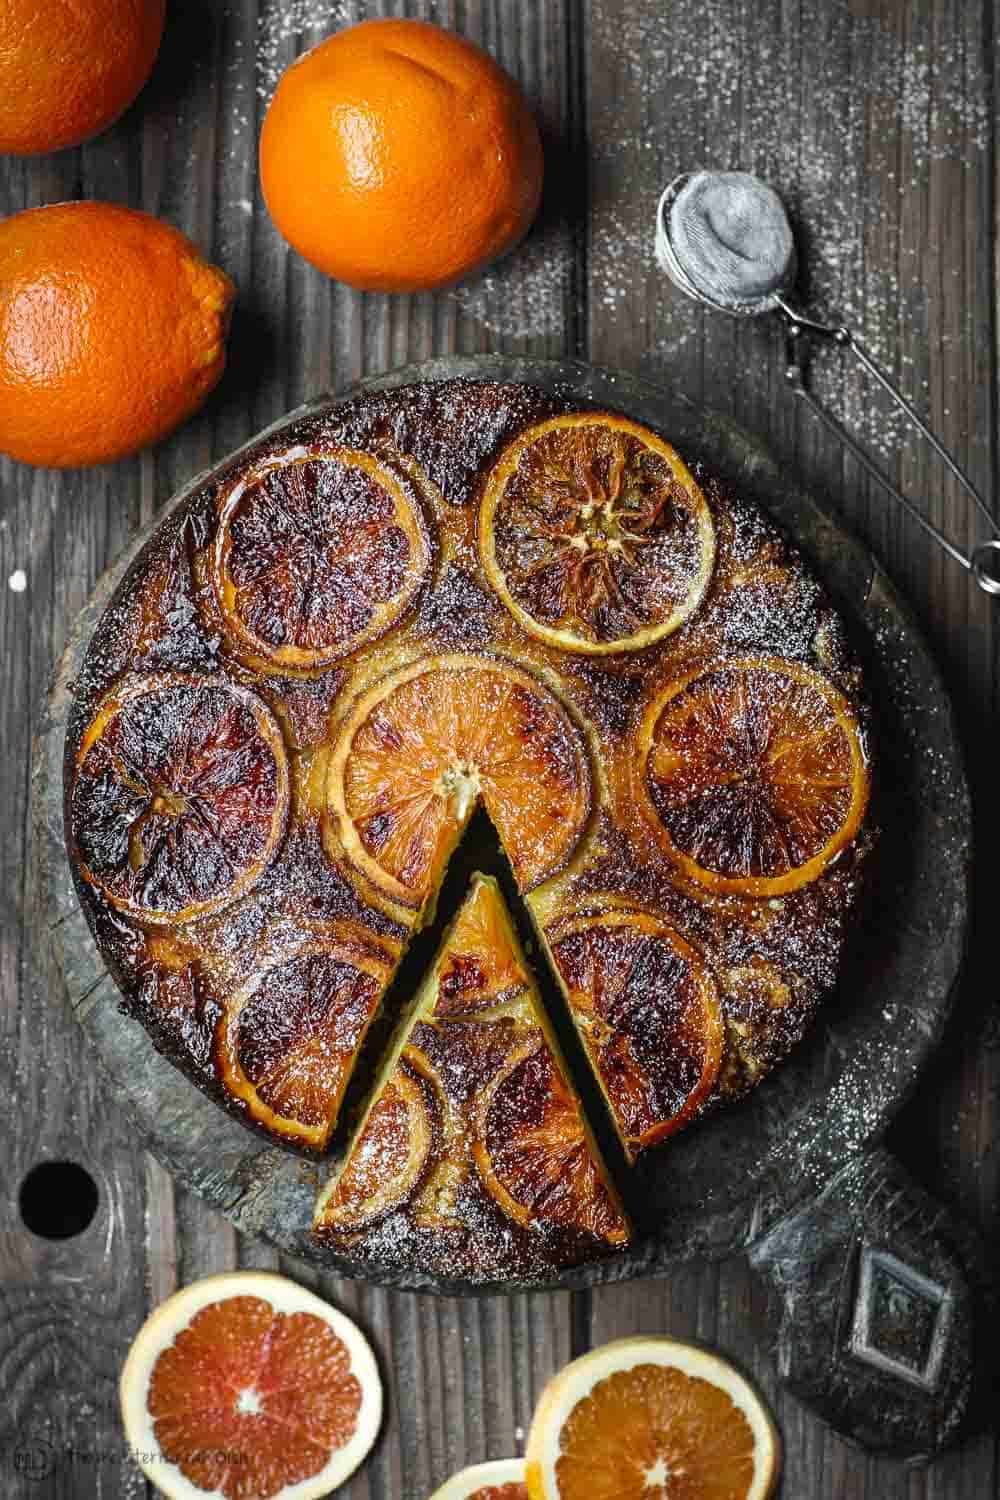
(474, 1132)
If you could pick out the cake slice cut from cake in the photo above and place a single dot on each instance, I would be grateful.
(474, 1158)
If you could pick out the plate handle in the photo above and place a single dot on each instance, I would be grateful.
(877, 1297)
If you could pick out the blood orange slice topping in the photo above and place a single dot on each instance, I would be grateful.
(649, 1016)
(503, 1479)
(419, 749)
(391, 1157)
(316, 555)
(534, 1153)
(752, 774)
(289, 1040)
(180, 795)
(249, 1387)
(595, 534)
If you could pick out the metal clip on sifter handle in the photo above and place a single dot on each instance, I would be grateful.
(724, 239)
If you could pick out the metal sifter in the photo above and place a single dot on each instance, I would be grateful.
(724, 239)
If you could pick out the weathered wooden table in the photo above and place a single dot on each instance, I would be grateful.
(877, 119)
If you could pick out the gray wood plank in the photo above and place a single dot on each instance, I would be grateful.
(876, 121)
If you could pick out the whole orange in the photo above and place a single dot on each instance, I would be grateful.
(112, 331)
(69, 68)
(398, 156)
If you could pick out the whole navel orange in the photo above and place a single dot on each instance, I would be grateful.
(397, 156)
(112, 332)
(69, 68)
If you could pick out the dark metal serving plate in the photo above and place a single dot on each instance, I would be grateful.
(738, 1180)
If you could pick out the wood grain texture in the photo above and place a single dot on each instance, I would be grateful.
(877, 117)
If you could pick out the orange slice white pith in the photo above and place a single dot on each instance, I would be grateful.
(317, 553)
(180, 795)
(418, 750)
(248, 1386)
(648, 1014)
(288, 1041)
(751, 774)
(651, 1419)
(503, 1479)
(531, 1149)
(595, 534)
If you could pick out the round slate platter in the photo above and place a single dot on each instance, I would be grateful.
(732, 1177)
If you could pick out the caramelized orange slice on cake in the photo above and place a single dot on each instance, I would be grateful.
(752, 774)
(648, 1013)
(288, 1041)
(419, 749)
(534, 1151)
(316, 555)
(533, 1155)
(180, 795)
(595, 534)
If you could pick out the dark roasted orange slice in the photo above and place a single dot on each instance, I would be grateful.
(535, 1154)
(418, 750)
(288, 1042)
(180, 795)
(391, 1158)
(317, 554)
(752, 774)
(595, 534)
(648, 1013)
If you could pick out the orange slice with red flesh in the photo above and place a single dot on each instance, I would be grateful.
(595, 534)
(180, 795)
(651, 1419)
(541, 1167)
(288, 1041)
(752, 774)
(316, 554)
(419, 749)
(249, 1387)
(648, 1014)
(503, 1479)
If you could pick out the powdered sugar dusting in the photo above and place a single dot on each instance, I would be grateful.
(287, 27)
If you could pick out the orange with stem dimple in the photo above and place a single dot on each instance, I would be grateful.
(69, 68)
(112, 332)
(397, 156)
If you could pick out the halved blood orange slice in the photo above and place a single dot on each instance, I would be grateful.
(180, 795)
(595, 534)
(648, 1013)
(249, 1387)
(651, 1419)
(753, 775)
(503, 1479)
(288, 1041)
(418, 750)
(480, 966)
(535, 1154)
(391, 1157)
(317, 554)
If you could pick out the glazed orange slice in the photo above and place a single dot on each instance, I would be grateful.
(480, 966)
(419, 749)
(392, 1157)
(180, 795)
(249, 1387)
(595, 534)
(287, 1043)
(648, 1013)
(651, 1419)
(317, 554)
(535, 1154)
(752, 774)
